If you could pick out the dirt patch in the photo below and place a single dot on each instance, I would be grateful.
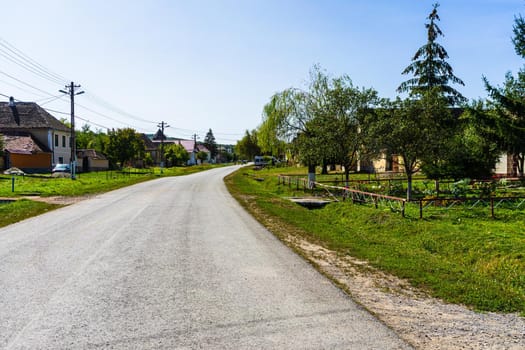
(60, 200)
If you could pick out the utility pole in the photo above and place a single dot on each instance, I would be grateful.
(162, 125)
(195, 149)
(71, 92)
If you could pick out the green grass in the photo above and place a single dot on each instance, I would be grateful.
(22, 209)
(467, 259)
(85, 183)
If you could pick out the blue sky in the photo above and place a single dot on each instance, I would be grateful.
(214, 64)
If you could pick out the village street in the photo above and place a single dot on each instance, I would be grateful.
(170, 263)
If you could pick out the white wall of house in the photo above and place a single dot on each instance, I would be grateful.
(61, 148)
(504, 166)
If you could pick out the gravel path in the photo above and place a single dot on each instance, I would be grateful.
(425, 322)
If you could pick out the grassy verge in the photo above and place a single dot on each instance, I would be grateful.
(22, 209)
(85, 183)
(471, 260)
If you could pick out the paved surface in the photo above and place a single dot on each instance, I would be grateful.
(171, 263)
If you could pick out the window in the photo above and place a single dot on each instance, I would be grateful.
(56, 140)
(63, 141)
(60, 160)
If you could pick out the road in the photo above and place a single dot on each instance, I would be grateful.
(173, 263)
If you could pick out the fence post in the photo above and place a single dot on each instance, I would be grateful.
(403, 210)
(492, 207)
(421, 209)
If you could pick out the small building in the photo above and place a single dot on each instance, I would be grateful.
(23, 151)
(91, 160)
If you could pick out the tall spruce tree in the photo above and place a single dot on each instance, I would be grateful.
(430, 68)
(209, 142)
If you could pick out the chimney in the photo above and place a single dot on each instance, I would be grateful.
(12, 105)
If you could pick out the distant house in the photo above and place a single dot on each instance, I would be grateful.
(193, 148)
(151, 148)
(26, 153)
(32, 124)
(91, 160)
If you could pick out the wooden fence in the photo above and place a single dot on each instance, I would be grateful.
(400, 204)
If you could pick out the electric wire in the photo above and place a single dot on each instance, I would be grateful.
(28, 61)
(100, 101)
(26, 84)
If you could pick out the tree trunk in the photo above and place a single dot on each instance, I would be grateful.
(324, 170)
(521, 161)
(347, 173)
(409, 186)
(311, 173)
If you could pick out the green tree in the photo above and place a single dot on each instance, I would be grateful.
(430, 68)
(89, 139)
(176, 155)
(471, 151)
(342, 124)
(124, 146)
(202, 156)
(292, 113)
(210, 143)
(268, 136)
(508, 104)
(247, 147)
(409, 128)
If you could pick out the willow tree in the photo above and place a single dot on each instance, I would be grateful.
(430, 68)
(291, 116)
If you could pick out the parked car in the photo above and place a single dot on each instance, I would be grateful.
(61, 168)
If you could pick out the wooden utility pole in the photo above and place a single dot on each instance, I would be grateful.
(162, 125)
(73, 159)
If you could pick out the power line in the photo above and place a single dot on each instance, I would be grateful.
(30, 64)
(113, 108)
(26, 84)
(21, 89)
(16, 61)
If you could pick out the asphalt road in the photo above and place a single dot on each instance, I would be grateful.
(173, 263)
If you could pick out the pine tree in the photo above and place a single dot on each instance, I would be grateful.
(430, 68)
(211, 145)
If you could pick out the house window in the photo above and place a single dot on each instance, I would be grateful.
(60, 160)
(63, 141)
(56, 140)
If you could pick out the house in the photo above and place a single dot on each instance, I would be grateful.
(151, 148)
(190, 147)
(507, 166)
(23, 151)
(193, 148)
(25, 119)
(91, 160)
